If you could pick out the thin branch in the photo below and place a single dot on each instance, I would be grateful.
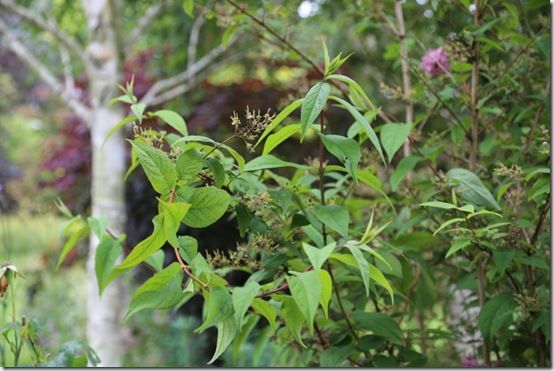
(190, 84)
(69, 81)
(13, 43)
(71, 43)
(149, 17)
(184, 76)
(195, 35)
(474, 95)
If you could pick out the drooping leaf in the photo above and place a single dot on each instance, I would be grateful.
(364, 124)
(200, 139)
(242, 298)
(158, 168)
(378, 276)
(173, 213)
(208, 205)
(218, 306)
(405, 165)
(270, 162)
(294, 319)
(306, 291)
(363, 266)
(318, 256)
(106, 256)
(393, 137)
(326, 291)
(313, 104)
(161, 291)
(243, 334)
(174, 120)
(146, 247)
(496, 314)
(98, 225)
(76, 230)
(265, 309)
(346, 150)
(226, 332)
(156, 260)
(118, 126)
(334, 216)
(380, 324)
(470, 187)
(457, 245)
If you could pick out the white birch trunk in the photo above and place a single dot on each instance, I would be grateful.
(104, 314)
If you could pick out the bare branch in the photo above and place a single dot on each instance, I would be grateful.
(184, 76)
(50, 27)
(68, 76)
(149, 17)
(193, 39)
(192, 83)
(45, 74)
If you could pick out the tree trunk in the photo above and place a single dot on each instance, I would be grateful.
(104, 314)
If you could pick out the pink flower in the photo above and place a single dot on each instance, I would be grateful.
(435, 62)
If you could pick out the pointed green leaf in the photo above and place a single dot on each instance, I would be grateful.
(313, 104)
(306, 291)
(265, 309)
(271, 162)
(378, 276)
(380, 324)
(242, 298)
(208, 206)
(279, 118)
(364, 123)
(106, 256)
(318, 256)
(146, 247)
(393, 137)
(161, 291)
(470, 187)
(346, 150)
(189, 164)
(405, 165)
(334, 216)
(159, 169)
(174, 120)
(326, 291)
(363, 265)
(118, 126)
(279, 137)
(496, 314)
(173, 213)
(76, 230)
(226, 332)
(294, 319)
(218, 307)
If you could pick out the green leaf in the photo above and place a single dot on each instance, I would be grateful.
(118, 126)
(326, 291)
(106, 255)
(378, 276)
(159, 169)
(188, 248)
(217, 170)
(346, 150)
(198, 138)
(313, 104)
(134, 164)
(363, 266)
(372, 181)
(188, 7)
(138, 110)
(98, 225)
(393, 137)
(228, 35)
(279, 118)
(226, 332)
(242, 298)
(218, 307)
(294, 319)
(266, 310)
(405, 165)
(380, 324)
(439, 205)
(173, 213)
(470, 187)
(361, 120)
(243, 334)
(496, 314)
(334, 216)
(457, 245)
(306, 291)
(279, 137)
(189, 164)
(352, 85)
(271, 162)
(334, 357)
(76, 230)
(208, 205)
(174, 120)
(156, 260)
(318, 256)
(326, 60)
(161, 291)
(447, 223)
(502, 260)
(146, 247)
